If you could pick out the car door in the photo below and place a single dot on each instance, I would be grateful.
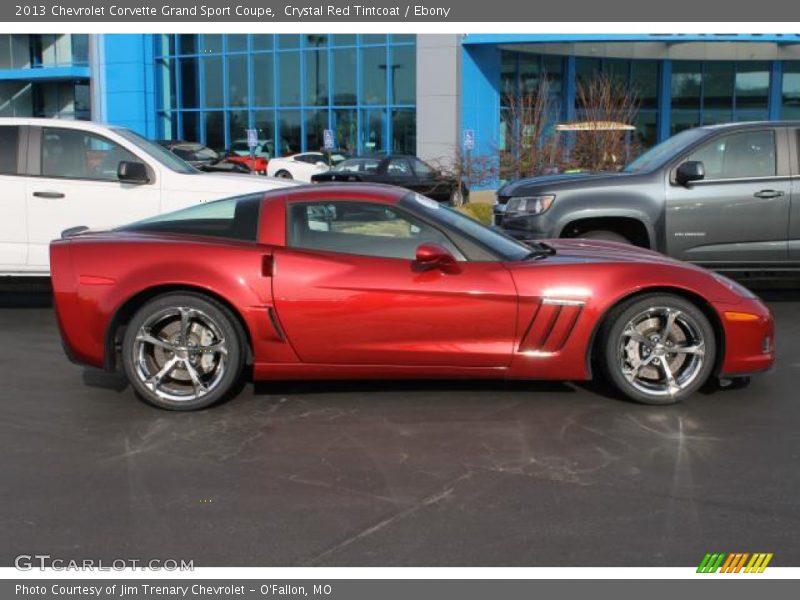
(398, 172)
(738, 213)
(74, 182)
(348, 291)
(13, 233)
(305, 165)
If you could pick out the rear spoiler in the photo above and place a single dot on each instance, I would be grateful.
(73, 231)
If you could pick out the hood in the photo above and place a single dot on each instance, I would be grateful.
(546, 183)
(596, 251)
(226, 184)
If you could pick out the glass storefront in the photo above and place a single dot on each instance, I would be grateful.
(790, 91)
(709, 92)
(65, 98)
(697, 92)
(290, 88)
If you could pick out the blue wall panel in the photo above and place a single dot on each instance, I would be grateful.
(481, 96)
(125, 72)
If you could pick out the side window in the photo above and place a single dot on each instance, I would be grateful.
(75, 154)
(233, 218)
(422, 169)
(399, 167)
(9, 144)
(367, 229)
(747, 154)
(311, 159)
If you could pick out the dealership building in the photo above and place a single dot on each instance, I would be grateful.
(391, 93)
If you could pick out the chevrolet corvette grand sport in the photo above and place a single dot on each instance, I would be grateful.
(369, 281)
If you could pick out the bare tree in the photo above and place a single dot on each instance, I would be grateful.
(529, 147)
(608, 108)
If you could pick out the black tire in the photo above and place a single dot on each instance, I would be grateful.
(208, 354)
(284, 174)
(636, 361)
(605, 236)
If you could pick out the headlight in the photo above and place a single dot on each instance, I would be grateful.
(734, 286)
(534, 205)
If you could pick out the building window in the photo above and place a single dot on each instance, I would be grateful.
(790, 90)
(373, 79)
(705, 93)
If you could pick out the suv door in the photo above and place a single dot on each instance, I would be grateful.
(794, 217)
(75, 183)
(737, 215)
(13, 234)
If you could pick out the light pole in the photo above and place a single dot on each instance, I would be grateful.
(393, 67)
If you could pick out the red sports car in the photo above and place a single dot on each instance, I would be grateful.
(368, 281)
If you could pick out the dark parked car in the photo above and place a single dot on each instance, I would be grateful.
(202, 157)
(724, 196)
(405, 171)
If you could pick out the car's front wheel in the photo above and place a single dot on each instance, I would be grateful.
(284, 174)
(183, 351)
(658, 349)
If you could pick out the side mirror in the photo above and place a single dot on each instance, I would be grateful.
(434, 256)
(691, 170)
(132, 171)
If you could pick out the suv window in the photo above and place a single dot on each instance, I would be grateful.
(746, 154)
(9, 144)
(364, 228)
(76, 154)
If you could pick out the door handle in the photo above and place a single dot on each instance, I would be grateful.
(768, 194)
(51, 195)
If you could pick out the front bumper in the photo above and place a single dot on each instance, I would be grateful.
(749, 338)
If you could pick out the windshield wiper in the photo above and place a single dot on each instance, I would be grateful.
(540, 250)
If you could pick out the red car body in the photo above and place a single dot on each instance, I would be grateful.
(257, 164)
(312, 314)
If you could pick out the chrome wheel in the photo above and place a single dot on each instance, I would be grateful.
(457, 197)
(662, 351)
(180, 354)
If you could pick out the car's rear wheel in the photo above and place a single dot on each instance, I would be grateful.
(605, 236)
(183, 351)
(284, 174)
(658, 349)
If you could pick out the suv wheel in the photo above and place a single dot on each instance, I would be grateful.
(605, 236)
(658, 349)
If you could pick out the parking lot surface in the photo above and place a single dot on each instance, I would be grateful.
(392, 473)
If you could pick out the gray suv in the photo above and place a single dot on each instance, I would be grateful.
(724, 196)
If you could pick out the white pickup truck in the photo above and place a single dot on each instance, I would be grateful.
(58, 174)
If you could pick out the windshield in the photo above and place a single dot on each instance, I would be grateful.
(659, 154)
(157, 151)
(195, 152)
(507, 247)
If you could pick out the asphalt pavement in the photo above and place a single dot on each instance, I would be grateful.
(447, 473)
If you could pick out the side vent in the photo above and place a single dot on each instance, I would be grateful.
(276, 326)
(551, 326)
